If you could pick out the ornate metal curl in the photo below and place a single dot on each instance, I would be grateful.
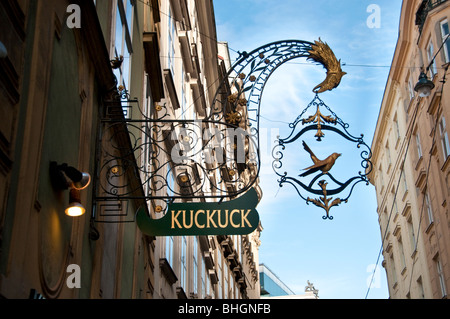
(192, 160)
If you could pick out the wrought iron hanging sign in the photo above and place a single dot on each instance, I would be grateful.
(317, 179)
(216, 160)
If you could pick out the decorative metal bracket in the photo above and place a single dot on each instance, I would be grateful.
(324, 178)
(213, 158)
(324, 201)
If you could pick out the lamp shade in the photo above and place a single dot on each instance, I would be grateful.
(75, 208)
(83, 182)
(80, 180)
(424, 86)
(64, 177)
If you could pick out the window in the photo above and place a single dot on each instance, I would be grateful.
(171, 184)
(405, 183)
(219, 274)
(440, 274)
(226, 288)
(410, 89)
(402, 253)
(171, 41)
(406, 104)
(207, 283)
(183, 262)
(429, 209)
(129, 15)
(122, 41)
(430, 56)
(397, 130)
(381, 179)
(445, 33)
(412, 237)
(419, 147)
(388, 156)
(392, 271)
(444, 138)
(183, 96)
(169, 250)
(122, 47)
(194, 264)
(204, 279)
(119, 37)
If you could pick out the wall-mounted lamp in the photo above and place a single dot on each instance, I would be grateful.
(424, 86)
(64, 177)
(67, 177)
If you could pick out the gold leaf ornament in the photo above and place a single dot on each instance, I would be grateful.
(321, 53)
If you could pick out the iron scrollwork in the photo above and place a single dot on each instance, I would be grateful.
(315, 123)
(211, 158)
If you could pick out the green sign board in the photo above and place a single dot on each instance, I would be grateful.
(234, 217)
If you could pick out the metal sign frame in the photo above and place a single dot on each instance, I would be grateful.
(214, 159)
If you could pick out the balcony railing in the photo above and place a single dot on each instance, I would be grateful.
(424, 9)
(434, 3)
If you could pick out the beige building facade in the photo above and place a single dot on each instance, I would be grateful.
(58, 58)
(70, 79)
(411, 157)
(199, 267)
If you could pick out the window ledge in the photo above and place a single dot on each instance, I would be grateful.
(446, 164)
(419, 161)
(167, 271)
(403, 270)
(429, 228)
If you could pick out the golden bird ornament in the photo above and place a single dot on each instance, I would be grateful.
(322, 165)
(321, 53)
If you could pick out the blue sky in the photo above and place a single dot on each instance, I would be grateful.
(337, 256)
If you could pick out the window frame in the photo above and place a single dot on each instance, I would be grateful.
(183, 262)
(171, 35)
(429, 208)
(419, 146)
(441, 277)
(169, 246)
(444, 37)
(431, 60)
(125, 48)
(445, 142)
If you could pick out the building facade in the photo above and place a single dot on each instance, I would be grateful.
(56, 81)
(194, 63)
(272, 287)
(74, 78)
(410, 157)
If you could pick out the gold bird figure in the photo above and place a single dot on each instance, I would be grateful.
(323, 165)
(321, 53)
